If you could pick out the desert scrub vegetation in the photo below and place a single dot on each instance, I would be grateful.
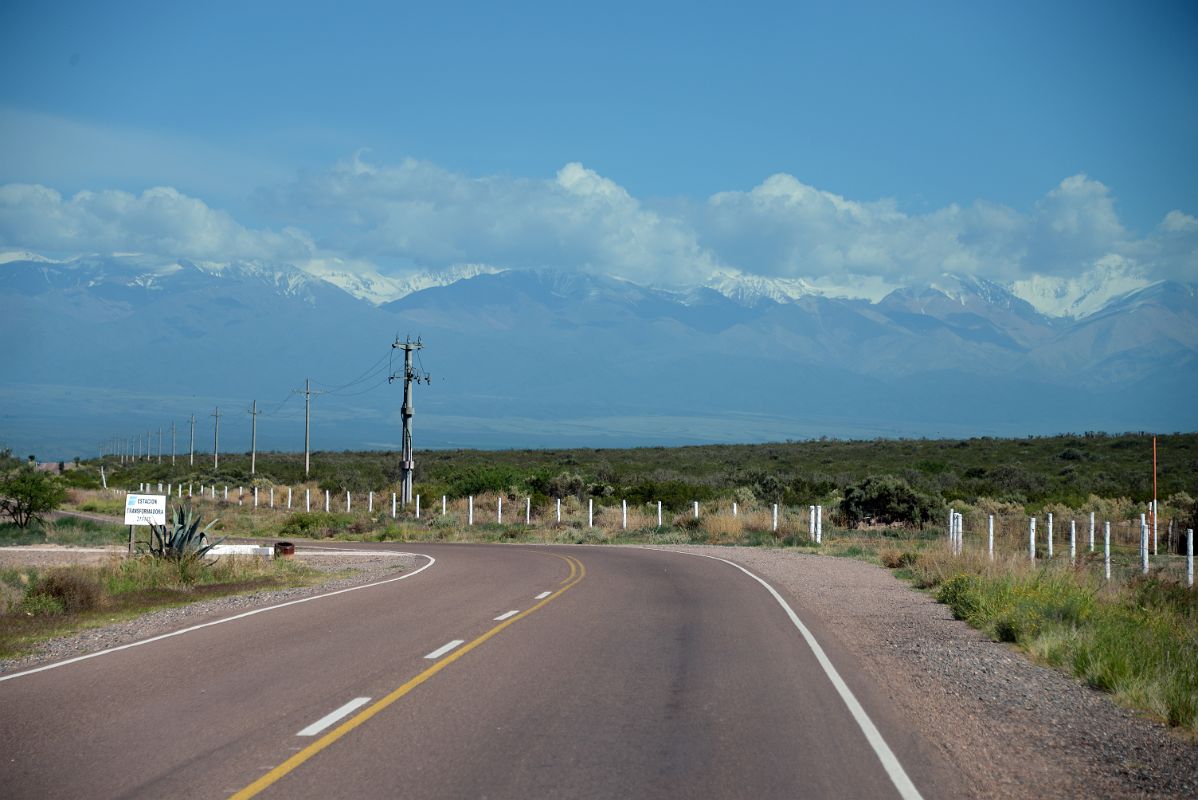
(37, 604)
(66, 531)
(1136, 639)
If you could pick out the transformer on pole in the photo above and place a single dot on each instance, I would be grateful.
(407, 463)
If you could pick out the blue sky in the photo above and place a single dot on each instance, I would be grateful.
(840, 142)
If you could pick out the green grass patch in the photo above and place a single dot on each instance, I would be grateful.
(43, 604)
(1137, 641)
(72, 531)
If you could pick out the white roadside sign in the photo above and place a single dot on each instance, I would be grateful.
(145, 509)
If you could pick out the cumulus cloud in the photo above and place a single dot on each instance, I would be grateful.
(159, 220)
(394, 218)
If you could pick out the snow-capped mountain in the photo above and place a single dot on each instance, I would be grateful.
(1083, 295)
(366, 283)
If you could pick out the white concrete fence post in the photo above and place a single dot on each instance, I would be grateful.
(288, 498)
(1091, 531)
(308, 500)
(326, 501)
(774, 518)
(819, 524)
(659, 513)
(1072, 541)
(168, 490)
(417, 506)
(624, 514)
(499, 517)
(394, 505)
(370, 502)
(1050, 534)
(733, 508)
(1106, 548)
(226, 492)
(1144, 547)
(590, 512)
(696, 509)
(1189, 556)
(348, 502)
(255, 497)
(1031, 536)
(528, 511)
(990, 537)
(811, 524)
(470, 511)
(1155, 516)
(559, 509)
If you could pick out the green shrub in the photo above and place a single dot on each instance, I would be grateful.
(26, 495)
(74, 589)
(887, 499)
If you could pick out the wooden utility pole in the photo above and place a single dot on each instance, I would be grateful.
(254, 412)
(407, 463)
(216, 440)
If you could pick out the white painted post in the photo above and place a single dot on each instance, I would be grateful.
(255, 497)
(1050, 534)
(1106, 547)
(308, 500)
(811, 524)
(499, 518)
(1091, 531)
(659, 513)
(733, 508)
(348, 502)
(819, 524)
(696, 509)
(168, 490)
(226, 492)
(239, 494)
(590, 512)
(326, 500)
(1072, 541)
(394, 508)
(442, 505)
(160, 486)
(1189, 556)
(774, 522)
(952, 528)
(1155, 516)
(1144, 547)
(1143, 540)
(470, 512)
(559, 509)
(1031, 535)
(624, 514)
(990, 529)
(417, 506)
(272, 497)
(189, 490)
(370, 502)
(288, 498)
(528, 511)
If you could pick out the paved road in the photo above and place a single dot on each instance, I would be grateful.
(624, 673)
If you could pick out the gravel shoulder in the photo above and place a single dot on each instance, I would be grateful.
(363, 567)
(1014, 728)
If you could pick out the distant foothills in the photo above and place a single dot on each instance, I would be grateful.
(113, 347)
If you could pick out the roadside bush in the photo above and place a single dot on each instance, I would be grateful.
(74, 590)
(887, 499)
(26, 495)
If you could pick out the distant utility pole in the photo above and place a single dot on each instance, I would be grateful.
(407, 464)
(254, 412)
(307, 393)
(149, 443)
(159, 444)
(191, 458)
(216, 440)
(172, 442)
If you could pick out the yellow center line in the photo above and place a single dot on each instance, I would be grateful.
(577, 573)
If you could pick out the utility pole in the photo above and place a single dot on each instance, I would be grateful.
(159, 444)
(254, 412)
(216, 440)
(172, 442)
(407, 463)
(149, 443)
(191, 458)
(307, 393)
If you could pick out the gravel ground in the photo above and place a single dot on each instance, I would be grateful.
(366, 568)
(1014, 728)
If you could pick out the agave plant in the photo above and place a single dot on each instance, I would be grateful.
(182, 537)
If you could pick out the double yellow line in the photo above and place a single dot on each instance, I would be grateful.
(577, 573)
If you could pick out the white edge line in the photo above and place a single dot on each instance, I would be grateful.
(242, 615)
(890, 762)
(445, 648)
(507, 614)
(542, 595)
(328, 719)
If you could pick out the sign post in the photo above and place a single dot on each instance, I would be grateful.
(144, 509)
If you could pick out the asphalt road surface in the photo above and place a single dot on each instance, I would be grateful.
(494, 672)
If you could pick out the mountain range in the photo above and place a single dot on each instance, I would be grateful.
(118, 345)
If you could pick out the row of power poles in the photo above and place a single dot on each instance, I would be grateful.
(135, 448)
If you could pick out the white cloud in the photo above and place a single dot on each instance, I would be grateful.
(384, 220)
(160, 221)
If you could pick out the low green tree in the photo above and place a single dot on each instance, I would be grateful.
(26, 494)
(887, 499)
